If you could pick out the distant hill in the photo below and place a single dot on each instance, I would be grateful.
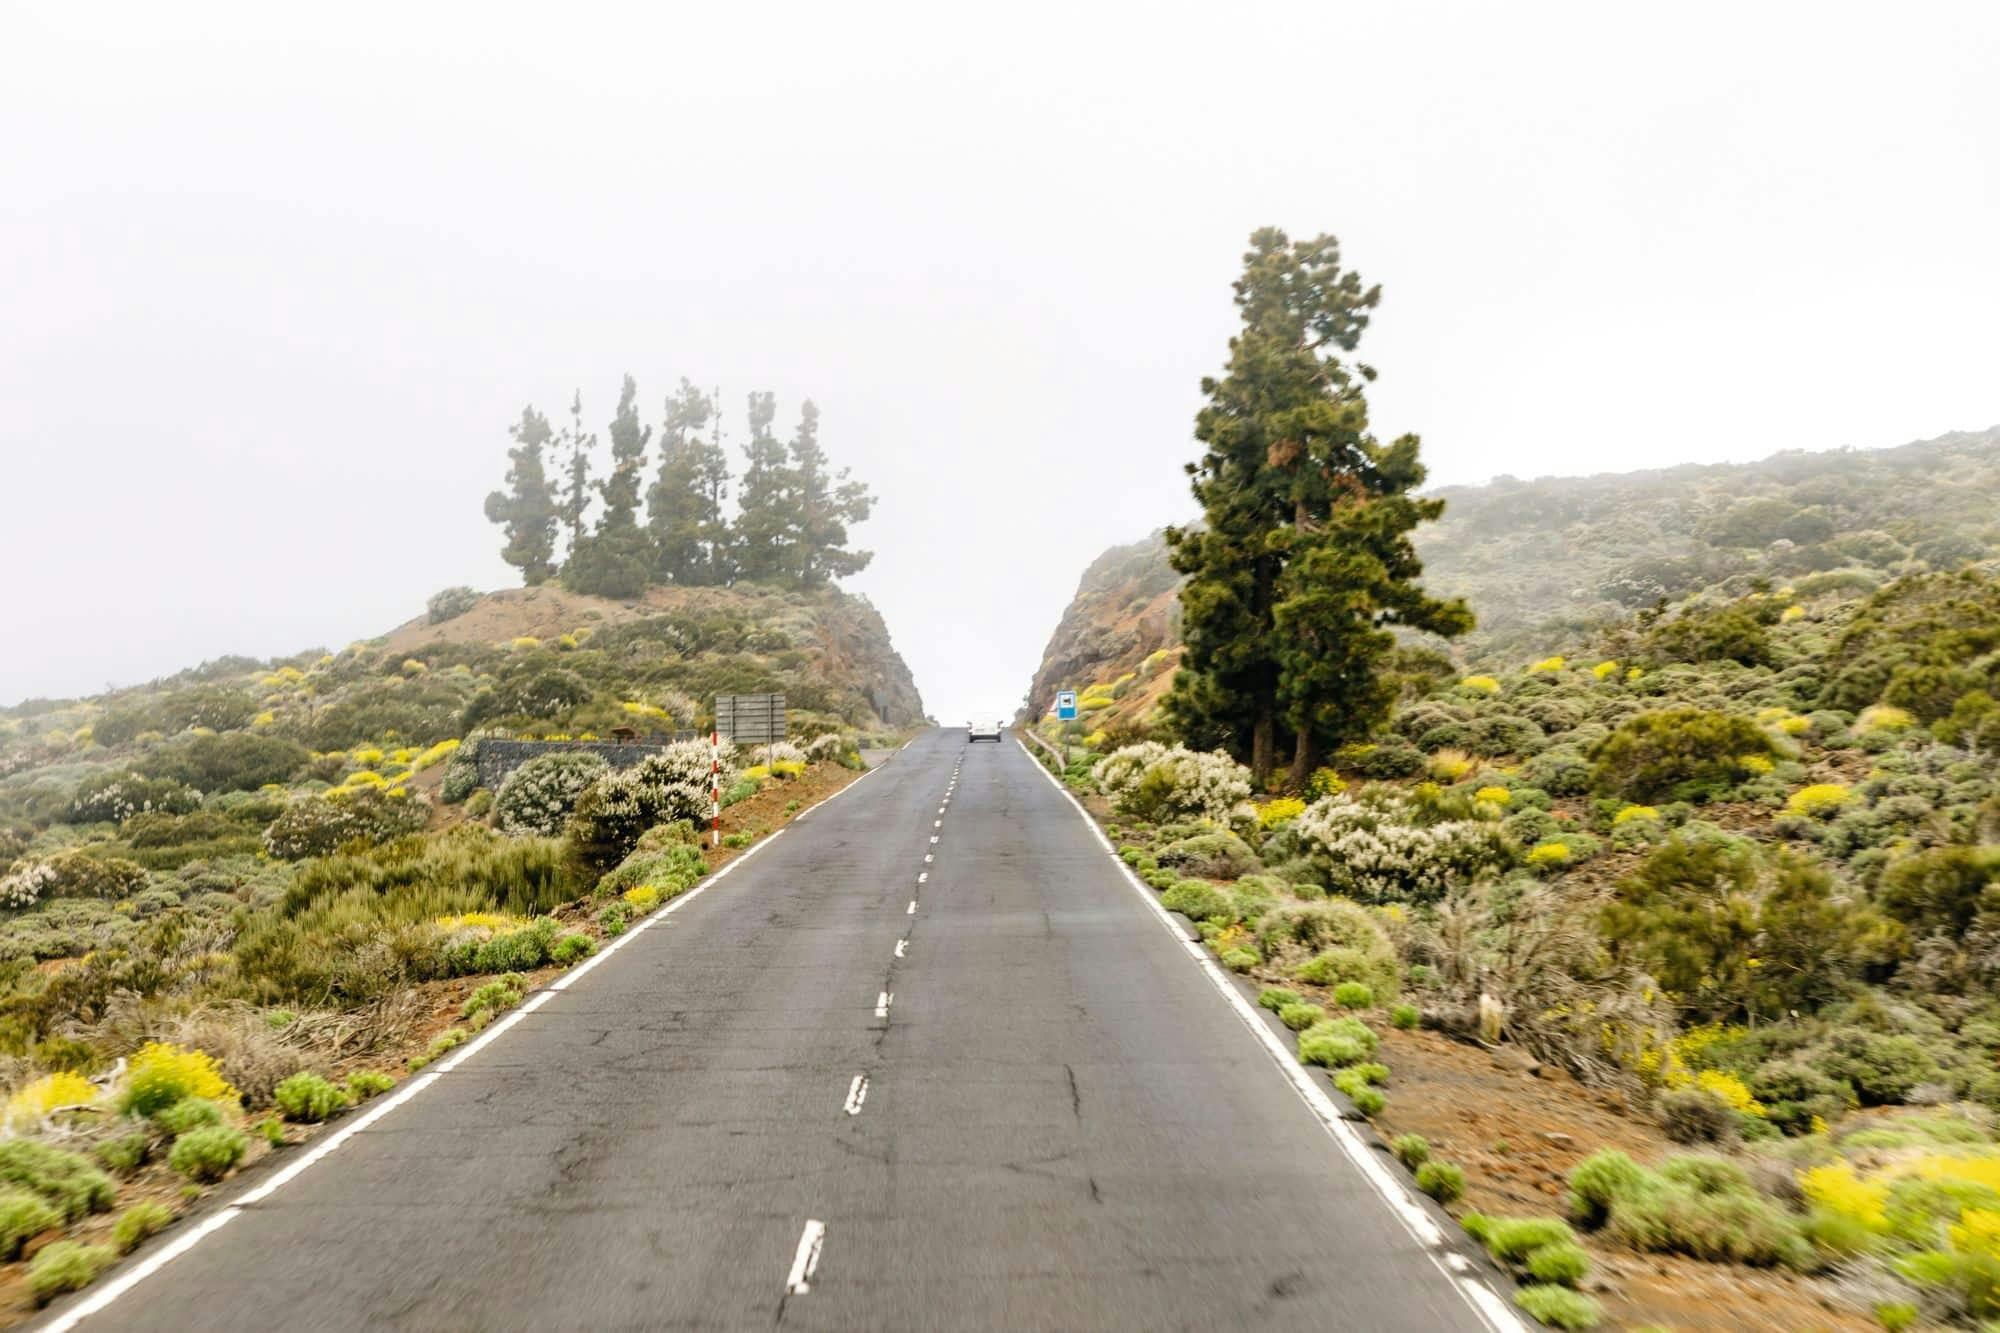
(531, 661)
(1547, 563)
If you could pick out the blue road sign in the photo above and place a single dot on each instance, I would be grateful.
(1066, 705)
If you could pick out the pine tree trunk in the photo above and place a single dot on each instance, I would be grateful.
(1263, 745)
(1305, 758)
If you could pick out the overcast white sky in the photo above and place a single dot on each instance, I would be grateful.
(276, 279)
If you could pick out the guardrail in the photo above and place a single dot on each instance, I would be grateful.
(1062, 760)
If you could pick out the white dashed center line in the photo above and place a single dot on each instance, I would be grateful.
(902, 945)
(807, 1258)
(913, 908)
(857, 1093)
(884, 1000)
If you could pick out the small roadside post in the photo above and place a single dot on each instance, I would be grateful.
(1066, 705)
(715, 787)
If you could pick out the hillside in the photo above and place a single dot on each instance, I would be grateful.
(1547, 564)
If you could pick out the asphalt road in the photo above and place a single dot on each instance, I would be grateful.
(1065, 1123)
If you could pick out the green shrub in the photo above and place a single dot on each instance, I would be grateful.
(1196, 900)
(186, 1114)
(1219, 855)
(207, 1155)
(442, 1044)
(1512, 1239)
(571, 948)
(1368, 1101)
(23, 1216)
(1353, 995)
(1441, 1180)
(318, 825)
(66, 1179)
(1559, 1307)
(1300, 1015)
(230, 761)
(495, 997)
(1564, 1263)
(1275, 998)
(1412, 1150)
(1794, 1093)
(136, 1223)
(1241, 960)
(306, 1098)
(1598, 1182)
(1329, 1050)
(126, 1153)
(1405, 1016)
(1678, 754)
(66, 1266)
(365, 1083)
(611, 919)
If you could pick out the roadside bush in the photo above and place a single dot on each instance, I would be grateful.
(1376, 855)
(135, 1224)
(186, 1114)
(1559, 1307)
(1300, 1015)
(306, 1098)
(616, 811)
(571, 949)
(1794, 1093)
(670, 871)
(66, 1266)
(1678, 754)
(1157, 782)
(1703, 1207)
(1443, 1181)
(1690, 1115)
(1275, 998)
(207, 1155)
(538, 798)
(1412, 1150)
(23, 1216)
(67, 1181)
(365, 1083)
(1219, 855)
(162, 1074)
(1353, 995)
(1343, 942)
(1196, 900)
(1882, 1068)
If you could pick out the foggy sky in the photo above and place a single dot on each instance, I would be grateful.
(276, 280)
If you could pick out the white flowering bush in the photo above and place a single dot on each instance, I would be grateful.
(827, 748)
(26, 883)
(537, 798)
(319, 825)
(1154, 781)
(617, 809)
(1372, 853)
(118, 796)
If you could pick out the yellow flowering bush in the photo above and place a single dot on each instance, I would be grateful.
(1634, 673)
(1549, 665)
(1326, 782)
(1822, 798)
(1450, 765)
(367, 757)
(654, 711)
(478, 921)
(264, 719)
(1836, 1188)
(1883, 717)
(162, 1074)
(1548, 856)
(1729, 1090)
(436, 754)
(1791, 614)
(756, 773)
(1604, 670)
(1755, 763)
(787, 768)
(642, 899)
(1494, 795)
(1280, 810)
(47, 1093)
(1480, 684)
(364, 777)
(1632, 812)
(415, 666)
(523, 642)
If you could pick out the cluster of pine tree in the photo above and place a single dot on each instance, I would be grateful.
(1303, 568)
(793, 509)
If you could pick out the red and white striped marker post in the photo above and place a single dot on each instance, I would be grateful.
(715, 787)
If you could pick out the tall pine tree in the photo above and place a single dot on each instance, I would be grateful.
(617, 558)
(576, 489)
(1303, 565)
(826, 503)
(682, 508)
(527, 507)
(767, 524)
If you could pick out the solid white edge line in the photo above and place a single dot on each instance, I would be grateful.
(806, 1260)
(100, 1298)
(1485, 1302)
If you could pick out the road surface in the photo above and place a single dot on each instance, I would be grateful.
(830, 1094)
